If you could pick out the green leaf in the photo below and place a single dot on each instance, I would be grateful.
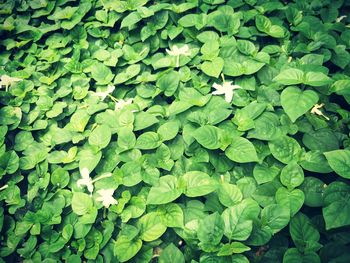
(131, 173)
(285, 149)
(171, 254)
(266, 127)
(169, 83)
(148, 140)
(101, 73)
(210, 50)
(171, 215)
(225, 20)
(239, 219)
(130, 20)
(79, 120)
(63, 13)
(316, 79)
(315, 161)
(126, 138)
(305, 236)
(128, 73)
(293, 199)
(276, 31)
(165, 192)
(246, 47)
(339, 161)
(241, 150)
(296, 102)
(194, 97)
(198, 184)
(100, 136)
(229, 194)
(168, 130)
(292, 175)
(126, 247)
(208, 136)
(244, 118)
(81, 203)
(9, 163)
(263, 173)
(275, 217)
(10, 115)
(22, 140)
(290, 76)
(341, 87)
(125, 119)
(341, 57)
(60, 177)
(135, 208)
(292, 255)
(265, 194)
(336, 210)
(210, 230)
(323, 140)
(89, 158)
(178, 106)
(151, 227)
(213, 68)
(84, 7)
(313, 189)
(144, 120)
(262, 23)
(232, 248)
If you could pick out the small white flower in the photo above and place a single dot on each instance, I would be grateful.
(122, 103)
(315, 110)
(106, 197)
(7, 81)
(176, 52)
(339, 19)
(86, 180)
(104, 94)
(3, 187)
(226, 88)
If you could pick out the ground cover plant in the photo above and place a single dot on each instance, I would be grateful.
(174, 131)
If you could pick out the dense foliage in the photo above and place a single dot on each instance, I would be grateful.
(174, 131)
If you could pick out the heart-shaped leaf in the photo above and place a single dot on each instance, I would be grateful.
(213, 68)
(296, 102)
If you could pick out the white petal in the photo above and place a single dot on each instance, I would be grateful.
(106, 197)
(175, 49)
(229, 96)
(105, 175)
(110, 88)
(184, 50)
(121, 103)
(218, 92)
(90, 187)
(227, 85)
(170, 52)
(217, 86)
(85, 173)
